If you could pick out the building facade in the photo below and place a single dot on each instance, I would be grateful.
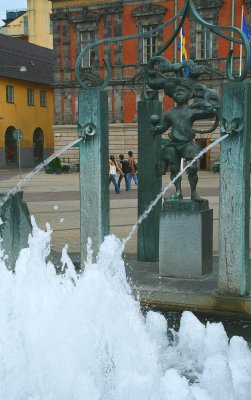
(32, 25)
(79, 22)
(26, 102)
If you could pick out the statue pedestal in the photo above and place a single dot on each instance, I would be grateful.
(185, 239)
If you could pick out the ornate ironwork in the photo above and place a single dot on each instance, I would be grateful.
(188, 9)
(119, 39)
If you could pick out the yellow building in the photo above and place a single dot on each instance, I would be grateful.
(16, 24)
(26, 102)
(33, 25)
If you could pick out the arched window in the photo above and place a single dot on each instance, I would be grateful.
(10, 147)
(38, 146)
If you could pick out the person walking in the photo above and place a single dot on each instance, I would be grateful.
(113, 167)
(126, 169)
(133, 173)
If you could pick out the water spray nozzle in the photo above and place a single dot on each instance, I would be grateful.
(86, 131)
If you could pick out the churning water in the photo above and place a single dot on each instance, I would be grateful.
(83, 337)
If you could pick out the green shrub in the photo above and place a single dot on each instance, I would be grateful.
(55, 164)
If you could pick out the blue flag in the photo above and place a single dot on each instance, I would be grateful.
(245, 31)
(245, 27)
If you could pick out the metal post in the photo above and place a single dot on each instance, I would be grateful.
(175, 26)
(19, 158)
(18, 135)
(234, 189)
(94, 171)
(149, 184)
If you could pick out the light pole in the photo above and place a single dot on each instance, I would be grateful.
(18, 135)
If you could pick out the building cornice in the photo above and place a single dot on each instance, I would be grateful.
(149, 10)
(206, 4)
(75, 3)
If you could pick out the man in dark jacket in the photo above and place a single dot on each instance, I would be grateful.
(126, 169)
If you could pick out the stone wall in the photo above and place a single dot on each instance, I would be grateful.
(64, 134)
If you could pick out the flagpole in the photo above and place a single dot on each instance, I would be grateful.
(175, 26)
(242, 14)
(181, 44)
(181, 53)
(232, 33)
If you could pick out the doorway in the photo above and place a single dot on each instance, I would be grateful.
(10, 148)
(38, 146)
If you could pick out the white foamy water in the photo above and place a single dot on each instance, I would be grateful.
(83, 337)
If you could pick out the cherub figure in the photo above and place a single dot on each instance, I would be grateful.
(180, 143)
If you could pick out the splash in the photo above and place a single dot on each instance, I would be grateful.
(68, 336)
(83, 336)
(38, 168)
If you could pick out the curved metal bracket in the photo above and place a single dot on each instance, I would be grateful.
(118, 39)
(187, 9)
(210, 130)
(219, 30)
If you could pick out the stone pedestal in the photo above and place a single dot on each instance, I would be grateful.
(186, 239)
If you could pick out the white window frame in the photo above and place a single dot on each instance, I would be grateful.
(30, 97)
(89, 58)
(150, 43)
(204, 42)
(43, 100)
(9, 94)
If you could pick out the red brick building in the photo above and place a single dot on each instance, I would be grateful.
(78, 22)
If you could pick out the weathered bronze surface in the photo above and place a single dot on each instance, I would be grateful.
(194, 101)
(149, 186)
(15, 227)
(234, 203)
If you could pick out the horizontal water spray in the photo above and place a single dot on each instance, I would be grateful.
(38, 168)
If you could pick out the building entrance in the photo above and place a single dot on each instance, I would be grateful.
(38, 146)
(10, 148)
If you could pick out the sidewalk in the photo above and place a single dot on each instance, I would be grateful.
(55, 199)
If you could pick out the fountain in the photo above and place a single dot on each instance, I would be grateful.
(74, 336)
(15, 225)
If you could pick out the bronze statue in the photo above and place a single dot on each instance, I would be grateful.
(205, 105)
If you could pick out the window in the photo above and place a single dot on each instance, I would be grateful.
(42, 98)
(30, 97)
(148, 17)
(51, 26)
(204, 42)
(9, 94)
(26, 30)
(150, 43)
(85, 39)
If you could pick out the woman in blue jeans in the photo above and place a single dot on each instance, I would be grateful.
(113, 165)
